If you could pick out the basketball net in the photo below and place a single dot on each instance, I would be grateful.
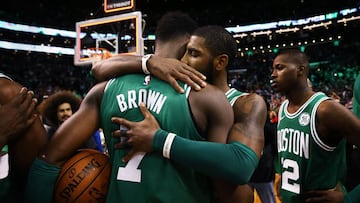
(97, 54)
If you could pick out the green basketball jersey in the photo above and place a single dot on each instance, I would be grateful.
(150, 177)
(233, 94)
(306, 162)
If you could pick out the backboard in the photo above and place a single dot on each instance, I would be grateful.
(105, 37)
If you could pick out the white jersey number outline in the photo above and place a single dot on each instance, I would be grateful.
(290, 176)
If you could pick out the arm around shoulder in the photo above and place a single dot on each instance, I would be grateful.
(232, 162)
(116, 66)
(213, 157)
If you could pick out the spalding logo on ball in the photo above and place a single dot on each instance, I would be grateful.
(84, 178)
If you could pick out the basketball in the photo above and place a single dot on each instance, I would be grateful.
(84, 178)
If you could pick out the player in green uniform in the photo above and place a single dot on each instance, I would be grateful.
(339, 196)
(208, 51)
(311, 131)
(21, 138)
(302, 153)
(165, 181)
(149, 175)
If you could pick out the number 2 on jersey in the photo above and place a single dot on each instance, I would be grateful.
(290, 176)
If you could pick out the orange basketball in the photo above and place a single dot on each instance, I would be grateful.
(84, 178)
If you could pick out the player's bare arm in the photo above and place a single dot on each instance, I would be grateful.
(17, 115)
(34, 133)
(248, 129)
(334, 122)
(170, 70)
(166, 69)
(250, 116)
(115, 66)
(77, 129)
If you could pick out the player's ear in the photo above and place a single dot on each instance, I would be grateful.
(221, 61)
(301, 70)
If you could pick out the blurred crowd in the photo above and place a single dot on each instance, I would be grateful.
(333, 71)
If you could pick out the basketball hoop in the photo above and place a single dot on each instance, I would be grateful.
(95, 35)
(97, 54)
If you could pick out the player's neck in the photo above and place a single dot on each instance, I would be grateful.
(301, 96)
(220, 83)
(166, 50)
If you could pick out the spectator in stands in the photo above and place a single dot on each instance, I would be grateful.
(57, 108)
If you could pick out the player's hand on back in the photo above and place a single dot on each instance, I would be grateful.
(139, 135)
(170, 70)
(17, 114)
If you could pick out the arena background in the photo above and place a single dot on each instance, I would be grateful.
(335, 62)
(332, 45)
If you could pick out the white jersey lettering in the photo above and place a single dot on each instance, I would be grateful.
(153, 100)
(293, 141)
